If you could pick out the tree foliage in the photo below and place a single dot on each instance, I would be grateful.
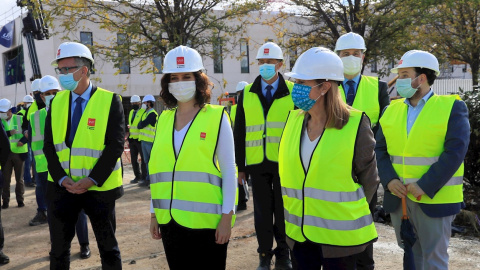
(385, 25)
(454, 25)
(153, 27)
(472, 159)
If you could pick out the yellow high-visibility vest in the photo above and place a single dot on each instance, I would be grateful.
(89, 141)
(366, 99)
(134, 131)
(38, 127)
(233, 113)
(15, 124)
(324, 204)
(147, 133)
(33, 108)
(188, 188)
(258, 130)
(413, 154)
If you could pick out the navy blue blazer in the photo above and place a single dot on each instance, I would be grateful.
(456, 145)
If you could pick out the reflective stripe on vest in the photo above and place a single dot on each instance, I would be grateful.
(16, 124)
(323, 204)
(37, 123)
(258, 129)
(134, 131)
(412, 155)
(89, 141)
(366, 98)
(188, 188)
(147, 133)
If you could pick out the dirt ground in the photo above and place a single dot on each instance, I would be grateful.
(28, 246)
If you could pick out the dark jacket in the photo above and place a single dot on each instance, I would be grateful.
(114, 145)
(455, 149)
(239, 129)
(4, 150)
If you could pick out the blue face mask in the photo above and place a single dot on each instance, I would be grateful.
(67, 81)
(48, 99)
(267, 71)
(405, 89)
(300, 96)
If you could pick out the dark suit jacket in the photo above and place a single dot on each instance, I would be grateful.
(456, 145)
(114, 145)
(4, 149)
(239, 129)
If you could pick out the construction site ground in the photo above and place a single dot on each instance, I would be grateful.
(28, 246)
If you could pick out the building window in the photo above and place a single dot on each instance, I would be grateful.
(464, 69)
(14, 66)
(244, 61)
(157, 65)
(217, 58)
(124, 63)
(373, 66)
(86, 38)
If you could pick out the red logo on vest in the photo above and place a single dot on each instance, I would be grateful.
(91, 122)
(266, 51)
(203, 135)
(58, 53)
(180, 60)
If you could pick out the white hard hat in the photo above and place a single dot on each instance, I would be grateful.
(36, 85)
(135, 98)
(148, 98)
(28, 98)
(270, 50)
(182, 59)
(49, 83)
(241, 85)
(318, 63)
(5, 105)
(420, 59)
(350, 41)
(72, 49)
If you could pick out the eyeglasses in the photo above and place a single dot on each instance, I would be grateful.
(64, 70)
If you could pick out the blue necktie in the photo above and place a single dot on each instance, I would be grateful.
(351, 92)
(268, 96)
(77, 114)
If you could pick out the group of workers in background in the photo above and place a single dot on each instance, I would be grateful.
(315, 151)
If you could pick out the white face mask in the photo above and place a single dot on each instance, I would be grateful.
(3, 116)
(144, 106)
(183, 91)
(351, 64)
(48, 100)
(27, 105)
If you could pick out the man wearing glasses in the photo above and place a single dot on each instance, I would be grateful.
(84, 138)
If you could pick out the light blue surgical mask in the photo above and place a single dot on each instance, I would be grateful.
(67, 81)
(48, 99)
(405, 89)
(301, 98)
(267, 71)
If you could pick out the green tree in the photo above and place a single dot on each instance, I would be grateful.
(385, 25)
(153, 27)
(454, 25)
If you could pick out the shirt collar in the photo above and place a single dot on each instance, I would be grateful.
(274, 84)
(421, 101)
(86, 95)
(356, 79)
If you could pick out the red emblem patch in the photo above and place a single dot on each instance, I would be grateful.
(58, 53)
(203, 135)
(180, 60)
(401, 61)
(91, 122)
(266, 51)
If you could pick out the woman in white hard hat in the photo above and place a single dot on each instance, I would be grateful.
(192, 168)
(327, 168)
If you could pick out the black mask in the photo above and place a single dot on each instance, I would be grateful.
(135, 106)
(39, 101)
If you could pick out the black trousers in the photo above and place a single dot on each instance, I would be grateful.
(63, 210)
(268, 213)
(309, 256)
(365, 259)
(2, 237)
(135, 150)
(187, 248)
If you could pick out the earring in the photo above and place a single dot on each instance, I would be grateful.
(323, 93)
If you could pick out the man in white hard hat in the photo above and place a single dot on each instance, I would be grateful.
(13, 125)
(147, 127)
(84, 140)
(134, 118)
(28, 180)
(4, 154)
(421, 144)
(261, 114)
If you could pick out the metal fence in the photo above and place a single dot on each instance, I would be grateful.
(451, 86)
